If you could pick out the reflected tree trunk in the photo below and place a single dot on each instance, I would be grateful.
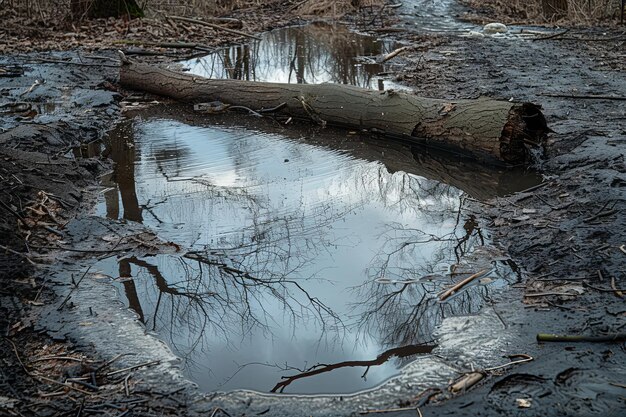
(112, 202)
(130, 289)
(123, 154)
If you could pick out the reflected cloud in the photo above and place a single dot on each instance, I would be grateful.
(299, 255)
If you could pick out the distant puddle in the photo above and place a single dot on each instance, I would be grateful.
(433, 16)
(311, 54)
(294, 254)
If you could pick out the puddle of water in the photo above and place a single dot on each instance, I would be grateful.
(300, 254)
(311, 54)
(433, 16)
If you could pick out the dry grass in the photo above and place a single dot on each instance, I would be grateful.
(333, 8)
(570, 11)
(55, 10)
(46, 10)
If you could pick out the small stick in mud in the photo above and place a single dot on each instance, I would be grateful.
(467, 381)
(554, 35)
(132, 368)
(525, 358)
(69, 295)
(586, 284)
(618, 293)
(23, 255)
(394, 53)
(547, 337)
(461, 284)
(126, 387)
(392, 410)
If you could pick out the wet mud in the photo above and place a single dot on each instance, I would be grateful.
(102, 238)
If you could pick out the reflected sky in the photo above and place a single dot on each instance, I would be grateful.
(290, 248)
(311, 54)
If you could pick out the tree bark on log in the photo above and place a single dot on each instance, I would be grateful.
(488, 129)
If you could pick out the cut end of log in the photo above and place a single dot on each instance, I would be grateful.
(526, 125)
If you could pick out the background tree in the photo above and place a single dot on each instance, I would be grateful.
(104, 8)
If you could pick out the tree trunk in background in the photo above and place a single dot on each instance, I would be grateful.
(104, 8)
(488, 129)
(554, 9)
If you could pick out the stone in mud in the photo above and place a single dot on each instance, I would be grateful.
(474, 34)
(493, 28)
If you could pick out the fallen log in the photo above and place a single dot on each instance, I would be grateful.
(486, 128)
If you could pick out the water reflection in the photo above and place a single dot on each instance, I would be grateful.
(122, 151)
(299, 255)
(310, 54)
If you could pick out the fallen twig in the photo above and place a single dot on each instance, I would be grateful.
(586, 284)
(132, 368)
(526, 358)
(618, 293)
(109, 362)
(391, 410)
(67, 298)
(461, 284)
(248, 109)
(554, 35)
(601, 214)
(126, 388)
(14, 252)
(273, 109)
(220, 410)
(36, 84)
(546, 337)
(63, 384)
(394, 53)
(60, 358)
(467, 381)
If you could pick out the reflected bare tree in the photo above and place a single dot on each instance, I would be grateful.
(121, 149)
(310, 54)
(400, 300)
(224, 288)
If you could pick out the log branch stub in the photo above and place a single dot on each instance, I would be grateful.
(493, 130)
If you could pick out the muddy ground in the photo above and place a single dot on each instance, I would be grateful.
(566, 237)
